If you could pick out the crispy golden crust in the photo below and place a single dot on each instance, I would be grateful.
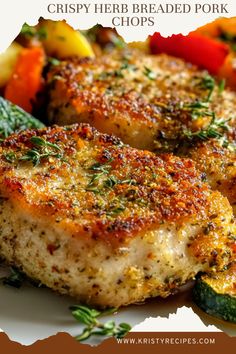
(99, 187)
(145, 100)
(219, 165)
(104, 222)
(158, 103)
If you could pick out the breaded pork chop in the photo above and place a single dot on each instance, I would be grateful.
(109, 224)
(219, 165)
(150, 102)
(158, 103)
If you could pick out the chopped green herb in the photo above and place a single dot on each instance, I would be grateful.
(32, 31)
(149, 73)
(221, 86)
(15, 279)
(111, 182)
(198, 109)
(42, 149)
(28, 31)
(89, 317)
(97, 181)
(118, 72)
(128, 66)
(116, 211)
(208, 83)
(91, 33)
(38, 141)
(101, 170)
(10, 157)
(214, 130)
(118, 42)
(53, 61)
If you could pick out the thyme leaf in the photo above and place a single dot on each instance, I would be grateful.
(221, 86)
(198, 109)
(97, 181)
(10, 157)
(116, 211)
(214, 130)
(42, 149)
(151, 75)
(38, 141)
(208, 83)
(93, 327)
(100, 171)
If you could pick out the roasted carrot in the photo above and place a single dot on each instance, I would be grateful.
(26, 79)
(205, 52)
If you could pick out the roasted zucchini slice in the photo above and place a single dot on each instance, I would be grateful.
(216, 294)
(14, 119)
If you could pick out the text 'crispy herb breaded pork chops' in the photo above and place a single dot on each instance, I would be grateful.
(109, 224)
(157, 103)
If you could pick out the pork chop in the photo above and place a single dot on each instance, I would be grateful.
(219, 165)
(150, 102)
(159, 103)
(109, 224)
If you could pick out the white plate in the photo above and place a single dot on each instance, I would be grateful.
(29, 313)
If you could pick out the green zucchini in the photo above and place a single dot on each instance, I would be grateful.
(14, 119)
(216, 294)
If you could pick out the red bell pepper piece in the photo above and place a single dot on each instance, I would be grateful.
(202, 51)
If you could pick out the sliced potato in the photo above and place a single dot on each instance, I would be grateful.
(8, 61)
(62, 41)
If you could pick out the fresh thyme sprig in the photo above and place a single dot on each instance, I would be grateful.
(100, 171)
(208, 82)
(41, 149)
(214, 130)
(198, 109)
(98, 181)
(202, 108)
(119, 72)
(89, 317)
